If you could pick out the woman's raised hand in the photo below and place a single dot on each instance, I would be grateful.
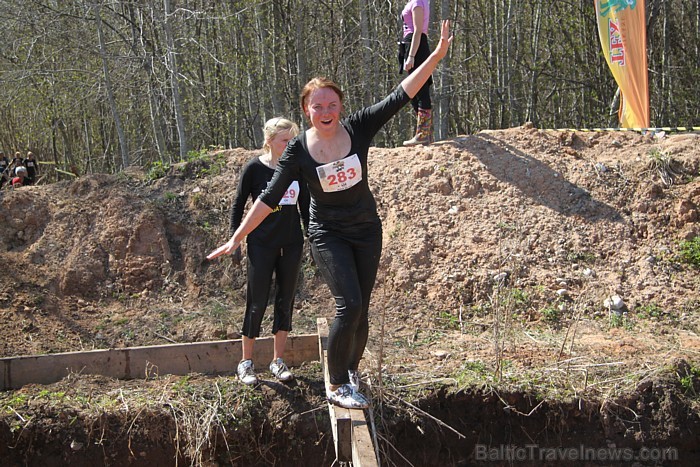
(445, 39)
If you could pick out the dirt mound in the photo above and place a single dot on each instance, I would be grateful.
(507, 254)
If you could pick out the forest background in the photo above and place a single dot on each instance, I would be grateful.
(96, 86)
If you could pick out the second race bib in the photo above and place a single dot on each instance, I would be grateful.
(291, 195)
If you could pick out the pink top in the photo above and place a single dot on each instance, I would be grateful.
(407, 16)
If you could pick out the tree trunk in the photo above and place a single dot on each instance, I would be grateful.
(123, 145)
(178, 105)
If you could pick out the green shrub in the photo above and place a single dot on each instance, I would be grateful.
(689, 251)
(156, 170)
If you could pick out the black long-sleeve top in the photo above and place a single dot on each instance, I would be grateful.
(283, 226)
(350, 211)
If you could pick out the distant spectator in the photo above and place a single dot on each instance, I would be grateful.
(4, 169)
(16, 162)
(32, 167)
(20, 175)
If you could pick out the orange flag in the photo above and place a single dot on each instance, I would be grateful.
(623, 35)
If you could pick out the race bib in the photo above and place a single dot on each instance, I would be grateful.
(340, 175)
(291, 195)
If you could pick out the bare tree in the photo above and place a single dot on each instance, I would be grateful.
(178, 104)
(123, 144)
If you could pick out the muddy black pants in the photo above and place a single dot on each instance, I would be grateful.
(285, 262)
(349, 266)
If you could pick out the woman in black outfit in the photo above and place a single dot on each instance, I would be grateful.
(275, 246)
(344, 228)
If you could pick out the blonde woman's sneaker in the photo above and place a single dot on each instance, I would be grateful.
(280, 370)
(347, 398)
(246, 372)
(354, 379)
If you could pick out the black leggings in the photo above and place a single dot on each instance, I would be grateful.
(349, 267)
(285, 262)
(422, 99)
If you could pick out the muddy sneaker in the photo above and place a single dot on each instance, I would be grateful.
(280, 370)
(246, 372)
(345, 397)
(354, 379)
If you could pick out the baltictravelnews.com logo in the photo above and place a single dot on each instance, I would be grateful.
(533, 452)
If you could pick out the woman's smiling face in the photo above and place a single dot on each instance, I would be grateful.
(323, 108)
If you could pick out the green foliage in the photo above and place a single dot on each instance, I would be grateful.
(689, 252)
(551, 315)
(620, 320)
(156, 170)
(472, 373)
(650, 310)
(580, 257)
(183, 385)
(195, 155)
(448, 320)
(17, 401)
(519, 297)
(508, 227)
(121, 321)
(687, 381)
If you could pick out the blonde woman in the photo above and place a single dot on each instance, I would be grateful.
(275, 245)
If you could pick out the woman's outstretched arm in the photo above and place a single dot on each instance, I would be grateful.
(255, 216)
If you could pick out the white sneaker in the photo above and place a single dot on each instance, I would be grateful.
(354, 379)
(280, 370)
(246, 372)
(347, 398)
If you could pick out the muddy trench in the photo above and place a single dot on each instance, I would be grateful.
(653, 426)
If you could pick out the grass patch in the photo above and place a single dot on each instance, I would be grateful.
(688, 380)
(662, 164)
(551, 315)
(650, 310)
(580, 257)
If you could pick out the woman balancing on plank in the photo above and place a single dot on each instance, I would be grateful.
(344, 228)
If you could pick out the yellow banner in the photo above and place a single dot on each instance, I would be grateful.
(623, 36)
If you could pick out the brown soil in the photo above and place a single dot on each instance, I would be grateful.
(500, 250)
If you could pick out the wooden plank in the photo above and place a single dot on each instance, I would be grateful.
(213, 357)
(341, 419)
(341, 423)
(362, 452)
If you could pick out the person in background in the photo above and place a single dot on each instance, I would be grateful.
(413, 51)
(32, 168)
(275, 246)
(16, 162)
(345, 231)
(4, 169)
(19, 178)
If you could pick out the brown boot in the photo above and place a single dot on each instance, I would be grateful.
(424, 129)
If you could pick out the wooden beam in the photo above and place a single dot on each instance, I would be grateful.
(341, 419)
(350, 431)
(363, 454)
(213, 357)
